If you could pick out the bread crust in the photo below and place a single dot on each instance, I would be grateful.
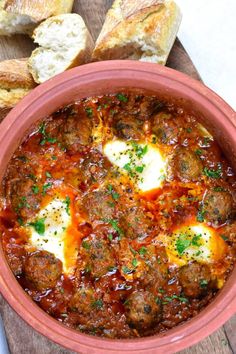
(15, 74)
(15, 83)
(38, 10)
(155, 21)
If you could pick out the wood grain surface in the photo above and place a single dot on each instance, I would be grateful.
(22, 339)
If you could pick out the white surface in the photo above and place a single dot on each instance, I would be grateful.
(208, 33)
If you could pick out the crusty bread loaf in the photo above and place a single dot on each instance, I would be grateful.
(22, 16)
(38, 10)
(64, 42)
(15, 83)
(138, 29)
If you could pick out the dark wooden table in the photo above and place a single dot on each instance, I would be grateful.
(22, 339)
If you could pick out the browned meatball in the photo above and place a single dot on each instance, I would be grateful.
(94, 167)
(157, 270)
(99, 205)
(128, 128)
(98, 257)
(82, 301)
(229, 233)
(142, 311)
(15, 254)
(42, 269)
(165, 129)
(195, 279)
(135, 223)
(22, 197)
(217, 206)
(186, 165)
(76, 131)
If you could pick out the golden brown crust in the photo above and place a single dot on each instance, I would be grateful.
(15, 74)
(38, 10)
(140, 27)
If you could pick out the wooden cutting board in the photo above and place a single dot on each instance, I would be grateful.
(22, 339)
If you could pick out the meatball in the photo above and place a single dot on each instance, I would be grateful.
(128, 128)
(135, 223)
(217, 206)
(15, 254)
(83, 300)
(76, 131)
(186, 165)
(156, 273)
(229, 233)
(142, 311)
(98, 257)
(22, 197)
(94, 167)
(195, 279)
(165, 129)
(42, 269)
(99, 205)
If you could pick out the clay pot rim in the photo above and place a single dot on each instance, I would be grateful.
(214, 315)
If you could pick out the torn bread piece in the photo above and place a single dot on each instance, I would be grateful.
(140, 30)
(15, 83)
(64, 42)
(23, 16)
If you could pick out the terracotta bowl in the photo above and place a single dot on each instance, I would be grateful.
(101, 78)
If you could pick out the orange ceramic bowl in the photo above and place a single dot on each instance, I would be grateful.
(103, 78)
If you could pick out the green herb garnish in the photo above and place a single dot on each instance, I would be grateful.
(212, 173)
(203, 283)
(67, 202)
(35, 189)
(97, 304)
(86, 245)
(46, 187)
(122, 97)
(39, 226)
(89, 111)
(134, 262)
(143, 251)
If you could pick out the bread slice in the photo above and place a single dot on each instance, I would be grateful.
(38, 10)
(23, 16)
(64, 42)
(143, 30)
(15, 83)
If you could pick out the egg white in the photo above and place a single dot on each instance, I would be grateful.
(57, 220)
(146, 171)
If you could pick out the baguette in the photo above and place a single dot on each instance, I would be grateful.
(64, 42)
(23, 16)
(15, 83)
(142, 30)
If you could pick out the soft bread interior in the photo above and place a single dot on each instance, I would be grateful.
(9, 98)
(63, 40)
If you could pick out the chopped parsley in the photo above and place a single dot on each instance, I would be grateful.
(134, 262)
(182, 243)
(213, 173)
(201, 215)
(48, 174)
(97, 304)
(172, 297)
(198, 152)
(110, 237)
(126, 270)
(113, 193)
(122, 97)
(35, 189)
(203, 283)
(114, 224)
(46, 187)
(219, 189)
(46, 137)
(185, 240)
(143, 251)
(86, 245)
(139, 150)
(89, 111)
(67, 202)
(39, 226)
(23, 203)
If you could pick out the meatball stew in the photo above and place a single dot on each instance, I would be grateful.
(118, 215)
